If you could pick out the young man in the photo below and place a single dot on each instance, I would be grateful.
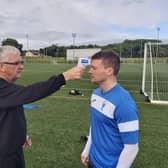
(113, 137)
(12, 98)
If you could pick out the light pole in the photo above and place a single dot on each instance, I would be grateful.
(73, 36)
(158, 30)
(27, 46)
(27, 40)
(120, 50)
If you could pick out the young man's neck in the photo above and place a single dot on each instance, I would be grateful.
(108, 84)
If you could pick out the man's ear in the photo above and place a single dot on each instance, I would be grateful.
(110, 71)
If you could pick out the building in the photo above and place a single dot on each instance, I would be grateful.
(32, 53)
(75, 54)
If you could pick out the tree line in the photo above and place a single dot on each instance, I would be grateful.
(126, 49)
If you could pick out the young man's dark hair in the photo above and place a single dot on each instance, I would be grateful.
(110, 59)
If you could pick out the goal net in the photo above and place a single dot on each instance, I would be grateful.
(155, 73)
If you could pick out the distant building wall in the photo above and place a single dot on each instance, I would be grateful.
(33, 53)
(74, 54)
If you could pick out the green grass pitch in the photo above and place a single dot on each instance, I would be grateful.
(56, 127)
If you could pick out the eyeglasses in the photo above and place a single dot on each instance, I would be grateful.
(14, 63)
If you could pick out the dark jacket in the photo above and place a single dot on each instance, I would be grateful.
(12, 118)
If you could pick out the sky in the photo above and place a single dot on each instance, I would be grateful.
(41, 23)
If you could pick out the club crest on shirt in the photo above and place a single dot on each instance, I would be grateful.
(93, 100)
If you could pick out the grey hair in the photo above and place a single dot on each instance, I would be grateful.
(6, 50)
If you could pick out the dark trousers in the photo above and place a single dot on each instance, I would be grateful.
(15, 160)
(91, 165)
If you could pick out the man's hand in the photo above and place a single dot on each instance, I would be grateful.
(28, 142)
(74, 73)
(85, 160)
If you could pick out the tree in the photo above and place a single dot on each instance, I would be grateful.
(12, 42)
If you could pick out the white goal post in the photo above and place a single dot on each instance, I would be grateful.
(155, 73)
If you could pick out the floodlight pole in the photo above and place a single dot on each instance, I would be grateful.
(27, 37)
(141, 50)
(158, 30)
(73, 36)
(120, 50)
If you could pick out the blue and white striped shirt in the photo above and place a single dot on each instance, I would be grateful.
(114, 122)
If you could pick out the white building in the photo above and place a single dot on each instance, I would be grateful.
(74, 54)
(32, 53)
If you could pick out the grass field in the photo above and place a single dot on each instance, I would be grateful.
(56, 127)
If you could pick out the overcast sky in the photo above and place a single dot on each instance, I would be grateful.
(45, 22)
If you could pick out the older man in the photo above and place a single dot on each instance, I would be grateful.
(12, 98)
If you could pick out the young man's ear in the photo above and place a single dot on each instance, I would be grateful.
(110, 71)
